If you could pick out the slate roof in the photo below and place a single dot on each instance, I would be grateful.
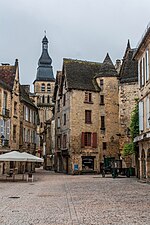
(45, 70)
(25, 96)
(107, 69)
(144, 38)
(80, 74)
(7, 76)
(129, 68)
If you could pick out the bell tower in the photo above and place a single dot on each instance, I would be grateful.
(44, 87)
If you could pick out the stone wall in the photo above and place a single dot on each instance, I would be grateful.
(128, 92)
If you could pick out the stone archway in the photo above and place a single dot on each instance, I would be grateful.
(143, 164)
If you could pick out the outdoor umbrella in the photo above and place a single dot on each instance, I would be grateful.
(12, 156)
(31, 158)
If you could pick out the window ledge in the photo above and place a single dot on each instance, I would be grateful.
(88, 102)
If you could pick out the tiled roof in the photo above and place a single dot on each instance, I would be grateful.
(129, 68)
(80, 74)
(7, 75)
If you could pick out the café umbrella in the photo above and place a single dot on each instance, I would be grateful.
(15, 156)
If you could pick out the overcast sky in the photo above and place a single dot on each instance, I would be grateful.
(79, 29)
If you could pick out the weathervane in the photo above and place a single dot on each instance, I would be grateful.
(45, 32)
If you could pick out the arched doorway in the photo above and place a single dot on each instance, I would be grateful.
(143, 164)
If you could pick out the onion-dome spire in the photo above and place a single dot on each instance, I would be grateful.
(45, 58)
(45, 70)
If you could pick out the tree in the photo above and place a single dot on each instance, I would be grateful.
(130, 148)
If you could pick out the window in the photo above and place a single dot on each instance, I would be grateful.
(48, 99)
(5, 100)
(141, 116)
(59, 142)
(64, 100)
(140, 73)
(28, 135)
(102, 122)
(101, 99)
(15, 108)
(88, 97)
(31, 116)
(89, 139)
(88, 114)
(104, 145)
(27, 113)
(147, 64)
(101, 83)
(14, 133)
(48, 88)
(43, 99)
(65, 119)
(64, 141)
(58, 122)
(24, 134)
(43, 87)
(147, 112)
(58, 105)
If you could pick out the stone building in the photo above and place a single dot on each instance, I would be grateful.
(18, 116)
(28, 121)
(43, 92)
(128, 95)
(86, 115)
(9, 95)
(10, 105)
(142, 55)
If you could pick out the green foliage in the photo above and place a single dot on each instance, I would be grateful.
(130, 148)
(134, 123)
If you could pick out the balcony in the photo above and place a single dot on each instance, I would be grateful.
(39, 104)
(5, 112)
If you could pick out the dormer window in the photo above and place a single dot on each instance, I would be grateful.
(88, 97)
(43, 87)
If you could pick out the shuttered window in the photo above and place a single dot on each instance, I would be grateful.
(147, 65)
(141, 114)
(94, 144)
(64, 141)
(89, 139)
(147, 112)
(88, 97)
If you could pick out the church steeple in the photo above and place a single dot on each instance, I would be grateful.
(45, 70)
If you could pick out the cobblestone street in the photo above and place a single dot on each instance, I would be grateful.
(56, 199)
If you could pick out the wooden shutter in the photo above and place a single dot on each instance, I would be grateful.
(7, 129)
(82, 140)
(147, 65)
(147, 112)
(141, 111)
(139, 73)
(94, 143)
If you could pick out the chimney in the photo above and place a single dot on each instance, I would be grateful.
(118, 65)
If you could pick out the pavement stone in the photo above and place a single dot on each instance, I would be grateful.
(58, 199)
